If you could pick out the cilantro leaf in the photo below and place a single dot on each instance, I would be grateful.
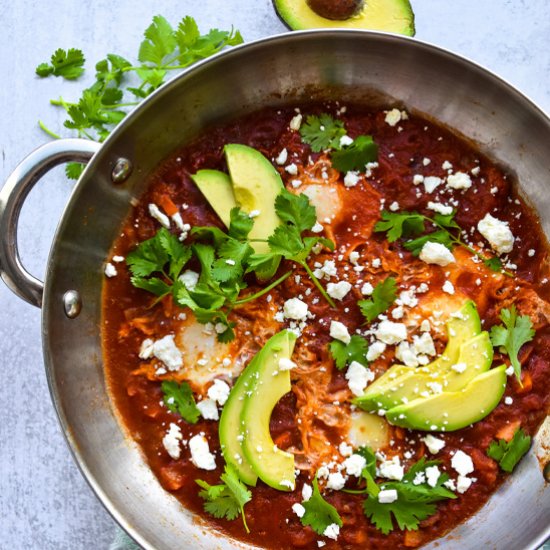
(516, 332)
(344, 354)
(400, 224)
(383, 296)
(368, 454)
(494, 263)
(73, 170)
(355, 156)
(179, 399)
(322, 132)
(240, 224)
(226, 500)
(295, 209)
(441, 236)
(159, 42)
(68, 64)
(509, 453)
(154, 285)
(319, 513)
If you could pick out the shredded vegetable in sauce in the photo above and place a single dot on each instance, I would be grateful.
(365, 355)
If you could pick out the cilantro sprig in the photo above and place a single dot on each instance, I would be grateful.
(447, 232)
(324, 132)
(179, 399)
(104, 104)
(383, 296)
(517, 330)
(319, 513)
(344, 354)
(509, 453)
(226, 500)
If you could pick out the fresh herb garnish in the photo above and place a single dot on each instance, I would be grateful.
(103, 105)
(356, 155)
(447, 232)
(319, 513)
(509, 453)
(383, 296)
(322, 132)
(227, 499)
(415, 502)
(297, 215)
(516, 332)
(344, 354)
(179, 399)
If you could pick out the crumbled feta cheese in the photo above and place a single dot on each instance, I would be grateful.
(253, 214)
(459, 180)
(463, 483)
(426, 161)
(431, 183)
(296, 309)
(354, 257)
(391, 469)
(440, 208)
(394, 206)
(436, 253)
(219, 391)
(387, 496)
(376, 349)
(339, 331)
(376, 263)
(118, 259)
(166, 351)
(448, 287)
(530, 253)
(155, 212)
(298, 509)
(459, 367)
(338, 291)
(295, 122)
(286, 364)
(424, 344)
(292, 169)
(285, 482)
(351, 179)
(475, 170)
(508, 400)
(326, 271)
(354, 465)
(190, 279)
(147, 348)
(432, 475)
(358, 376)
(317, 228)
(208, 409)
(345, 449)
(307, 491)
(171, 441)
(393, 117)
(433, 443)
(390, 332)
(336, 481)
(110, 270)
(418, 179)
(498, 233)
(332, 531)
(345, 141)
(462, 463)
(367, 289)
(282, 157)
(201, 456)
(447, 165)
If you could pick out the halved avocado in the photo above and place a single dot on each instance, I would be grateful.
(218, 191)
(462, 326)
(269, 383)
(381, 15)
(451, 411)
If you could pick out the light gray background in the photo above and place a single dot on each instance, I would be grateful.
(44, 501)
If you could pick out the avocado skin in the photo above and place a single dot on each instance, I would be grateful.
(283, 9)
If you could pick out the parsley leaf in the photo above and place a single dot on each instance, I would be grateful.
(179, 399)
(344, 354)
(68, 64)
(400, 224)
(383, 296)
(516, 332)
(355, 156)
(509, 453)
(322, 132)
(319, 513)
(227, 499)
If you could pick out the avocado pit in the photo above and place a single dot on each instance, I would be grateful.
(338, 10)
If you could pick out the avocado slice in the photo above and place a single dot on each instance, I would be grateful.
(256, 185)
(451, 411)
(269, 383)
(381, 15)
(461, 327)
(218, 191)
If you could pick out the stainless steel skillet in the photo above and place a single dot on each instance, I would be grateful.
(350, 66)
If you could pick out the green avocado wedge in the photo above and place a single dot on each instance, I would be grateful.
(269, 383)
(451, 411)
(381, 15)
(218, 191)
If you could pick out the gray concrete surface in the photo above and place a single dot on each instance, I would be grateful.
(44, 501)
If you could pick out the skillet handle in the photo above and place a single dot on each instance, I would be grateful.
(13, 195)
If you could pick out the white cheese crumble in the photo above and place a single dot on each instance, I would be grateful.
(390, 332)
(393, 117)
(317, 228)
(391, 469)
(339, 290)
(431, 183)
(436, 253)
(394, 206)
(171, 441)
(286, 364)
(219, 391)
(339, 331)
(201, 456)
(295, 122)
(367, 289)
(358, 376)
(459, 180)
(296, 309)
(344, 449)
(418, 179)
(292, 169)
(376, 349)
(110, 270)
(155, 212)
(307, 492)
(298, 509)
(463, 483)
(282, 157)
(166, 351)
(387, 496)
(336, 481)
(459, 367)
(345, 141)
(351, 179)
(118, 259)
(354, 465)
(190, 279)
(208, 409)
(440, 208)
(448, 287)
(432, 475)
(433, 443)
(462, 463)
(326, 271)
(332, 531)
(498, 233)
